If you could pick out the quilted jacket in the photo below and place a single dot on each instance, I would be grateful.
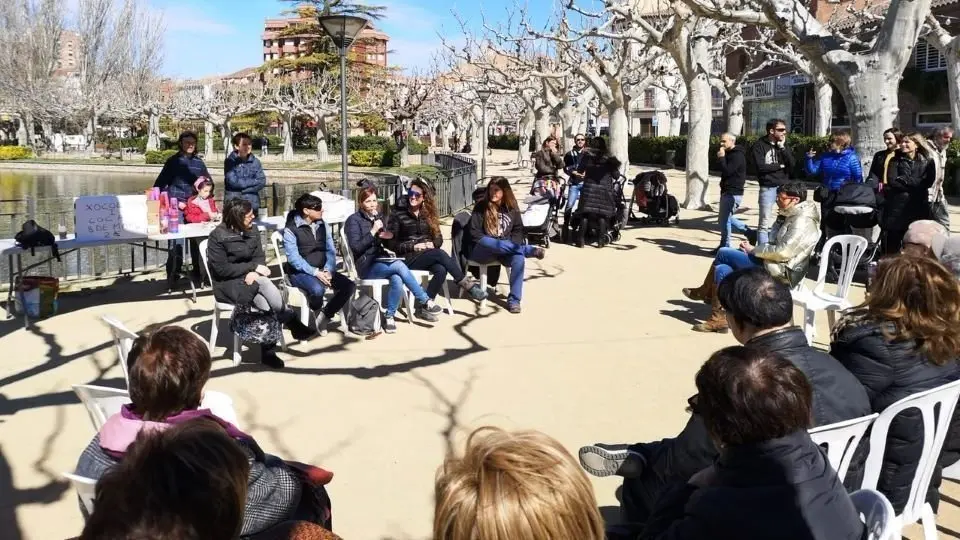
(836, 168)
(793, 238)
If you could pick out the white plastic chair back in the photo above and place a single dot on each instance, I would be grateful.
(123, 339)
(276, 239)
(841, 440)
(101, 402)
(940, 401)
(203, 255)
(852, 248)
(86, 489)
(348, 263)
(876, 512)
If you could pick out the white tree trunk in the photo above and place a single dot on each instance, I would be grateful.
(541, 125)
(698, 141)
(153, 131)
(476, 140)
(92, 132)
(676, 121)
(873, 106)
(433, 134)
(21, 132)
(822, 106)
(287, 129)
(31, 129)
(323, 133)
(619, 136)
(226, 133)
(734, 113)
(208, 139)
(952, 54)
(524, 127)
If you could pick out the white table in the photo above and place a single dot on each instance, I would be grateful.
(10, 249)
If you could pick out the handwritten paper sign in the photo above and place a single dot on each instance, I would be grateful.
(110, 217)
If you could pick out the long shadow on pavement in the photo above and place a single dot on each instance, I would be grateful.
(690, 313)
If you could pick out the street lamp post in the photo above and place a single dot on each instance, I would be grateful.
(343, 30)
(484, 96)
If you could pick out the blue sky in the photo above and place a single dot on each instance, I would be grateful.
(222, 36)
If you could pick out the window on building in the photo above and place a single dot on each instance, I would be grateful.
(649, 97)
(716, 98)
(296, 42)
(927, 58)
(933, 119)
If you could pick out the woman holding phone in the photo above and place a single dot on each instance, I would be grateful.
(365, 236)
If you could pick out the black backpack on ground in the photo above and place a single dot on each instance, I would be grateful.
(33, 236)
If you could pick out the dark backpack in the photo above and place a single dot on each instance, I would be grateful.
(33, 236)
(364, 318)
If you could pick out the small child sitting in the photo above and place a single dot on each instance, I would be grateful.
(201, 207)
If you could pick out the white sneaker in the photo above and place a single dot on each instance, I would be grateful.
(322, 323)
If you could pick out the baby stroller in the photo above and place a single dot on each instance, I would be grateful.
(604, 229)
(653, 199)
(853, 209)
(541, 219)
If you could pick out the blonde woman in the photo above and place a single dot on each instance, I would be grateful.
(520, 485)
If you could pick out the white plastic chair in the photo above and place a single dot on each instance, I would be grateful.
(86, 489)
(101, 402)
(425, 275)
(294, 293)
(376, 285)
(483, 274)
(841, 440)
(934, 433)
(123, 339)
(812, 301)
(223, 309)
(876, 512)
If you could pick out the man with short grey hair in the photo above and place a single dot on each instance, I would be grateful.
(947, 251)
(733, 174)
(937, 146)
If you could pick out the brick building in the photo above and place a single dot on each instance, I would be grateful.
(370, 47)
(69, 61)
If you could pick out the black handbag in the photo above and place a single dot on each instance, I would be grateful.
(33, 236)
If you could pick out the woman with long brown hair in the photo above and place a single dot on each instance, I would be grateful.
(904, 339)
(498, 228)
(417, 238)
(366, 235)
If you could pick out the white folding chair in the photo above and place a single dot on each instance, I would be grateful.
(483, 274)
(812, 301)
(876, 512)
(123, 339)
(841, 440)
(943, 401)
(86, 490)
(223, 309)
(375, 285)
(295, 294)
(101, 402)
(425, 275)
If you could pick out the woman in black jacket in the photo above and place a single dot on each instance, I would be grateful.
(497, 228)
(903, 340)
(365, 237)
(909, 176)
(880, 165)
(417, 238)
(597, 200)
(240, 276)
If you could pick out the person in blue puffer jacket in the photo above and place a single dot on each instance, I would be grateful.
(838, 166)
(243, 173)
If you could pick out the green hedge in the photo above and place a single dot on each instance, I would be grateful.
(15, 152)
(653, 150)
(155, 157)
(509, 141)
(374, 158)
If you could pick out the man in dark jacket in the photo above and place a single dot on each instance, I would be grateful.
(733, 174)
(759, 309)
(571, 165)
(774, 163)
(242, 173)
(770, 480)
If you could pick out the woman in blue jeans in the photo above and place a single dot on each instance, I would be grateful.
(365, 235)
(498, 228)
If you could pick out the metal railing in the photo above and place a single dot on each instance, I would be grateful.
(455, 182)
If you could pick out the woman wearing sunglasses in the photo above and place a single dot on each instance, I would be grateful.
(417, 238)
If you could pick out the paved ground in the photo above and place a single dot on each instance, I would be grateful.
(602, 352)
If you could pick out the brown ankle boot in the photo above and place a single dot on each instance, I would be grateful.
(717, 321)
(705, 292)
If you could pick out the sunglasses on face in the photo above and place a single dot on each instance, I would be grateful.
(780, 130)
(414, 194)
(580, 140)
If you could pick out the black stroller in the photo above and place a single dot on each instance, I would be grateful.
(605, 230)
(654, 200)
(853, 209)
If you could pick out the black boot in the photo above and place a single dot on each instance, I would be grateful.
(269, 358)
(565, 231)
(298, 330)
(582, 232)
(602, 239)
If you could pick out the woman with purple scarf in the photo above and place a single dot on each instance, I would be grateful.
(166, 388)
